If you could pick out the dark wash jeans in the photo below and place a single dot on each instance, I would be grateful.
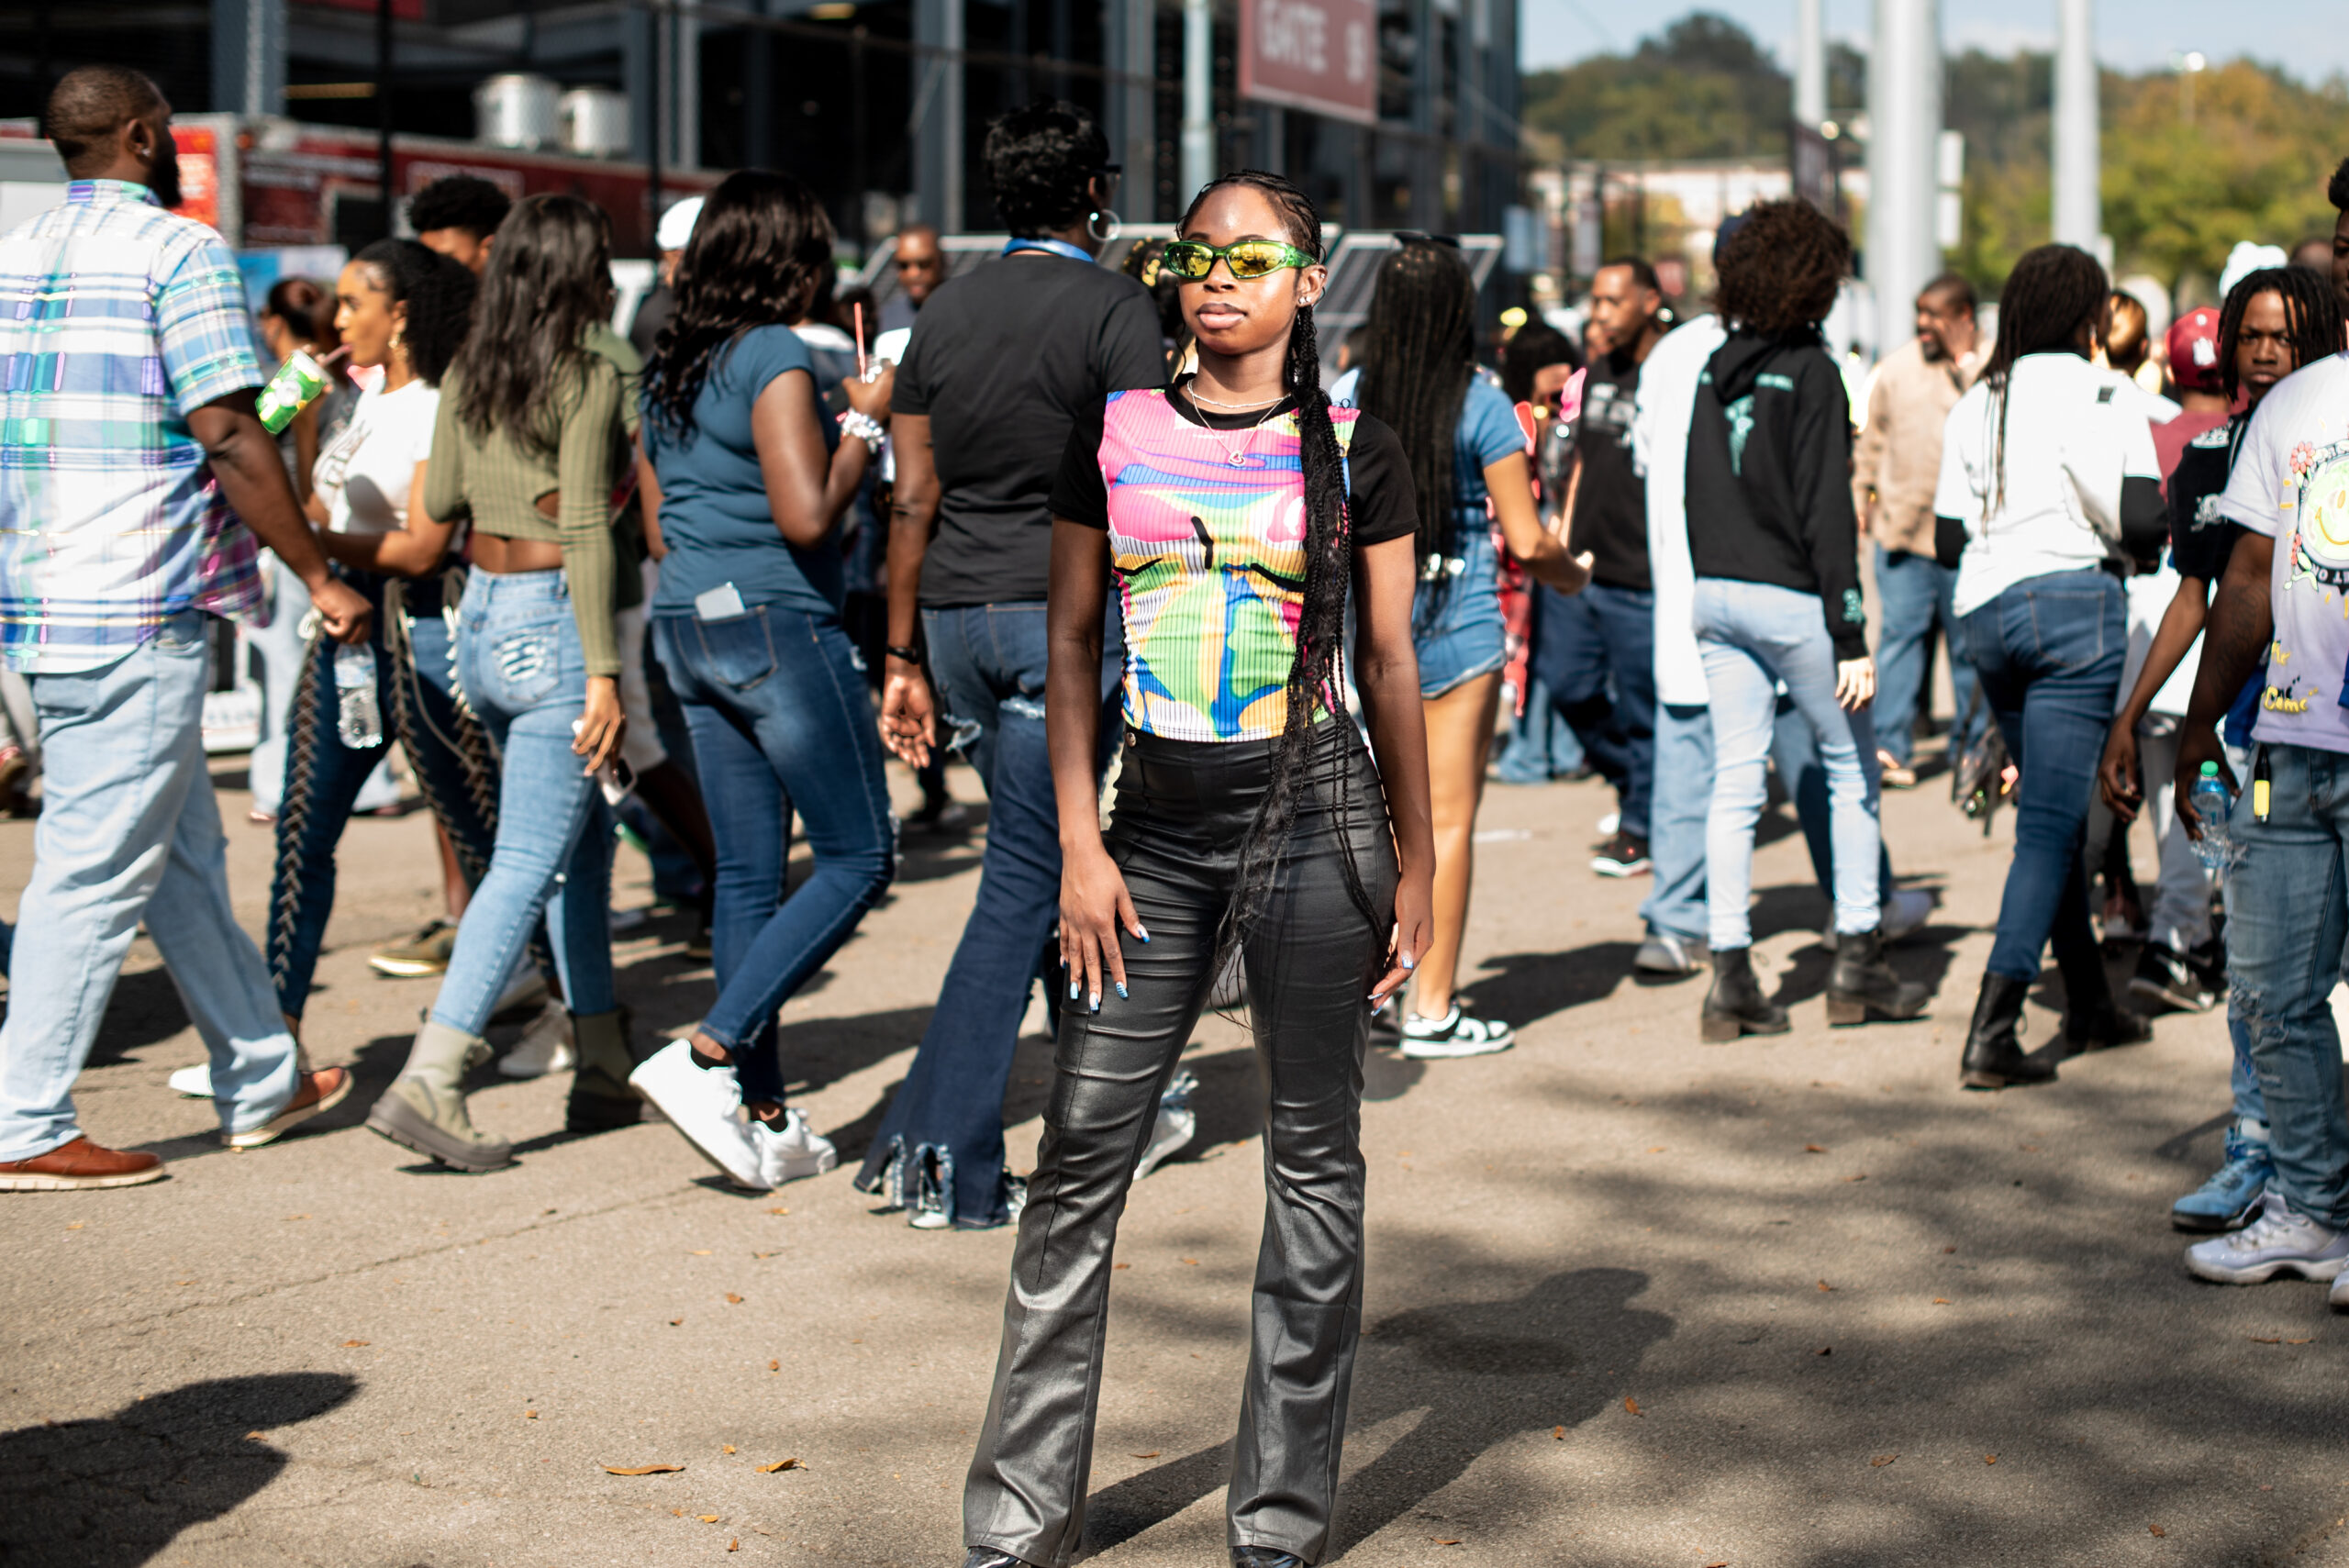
(2048, 651)
(987, 662)
(780, 722)
(1596, 651)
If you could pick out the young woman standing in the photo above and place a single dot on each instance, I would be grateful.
(1234, 511)
(2049, 488)
(754, 476)
(528, 442)
(1469, 469)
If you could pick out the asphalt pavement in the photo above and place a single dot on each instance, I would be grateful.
(1632, 1300)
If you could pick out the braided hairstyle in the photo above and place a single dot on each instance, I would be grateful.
(1416, 370)
(2310, 308)
(1315, 681)
(2053, 292)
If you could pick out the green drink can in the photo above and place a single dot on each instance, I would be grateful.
(299, 382)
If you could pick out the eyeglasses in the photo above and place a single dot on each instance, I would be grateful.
(1193, 260)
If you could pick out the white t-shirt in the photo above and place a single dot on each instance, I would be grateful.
(363, 474)
(1664, 407)
(2291, 483)
(2072, 436)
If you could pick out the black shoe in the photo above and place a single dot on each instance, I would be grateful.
(601, 1099)
(1622, 855)
(2167, 978)
(2103, 1024)
(1862, 984)
(1993, 1057)
(1263, 1557)
(1735, 1005)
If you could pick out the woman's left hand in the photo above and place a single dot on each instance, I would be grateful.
(597, 736)
(1854, 683)
(1414, 930)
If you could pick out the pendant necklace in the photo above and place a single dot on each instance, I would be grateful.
(1239, 458)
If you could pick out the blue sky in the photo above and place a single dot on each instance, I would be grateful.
(2130, 34)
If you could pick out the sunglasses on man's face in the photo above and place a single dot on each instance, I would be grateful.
(1193, 260)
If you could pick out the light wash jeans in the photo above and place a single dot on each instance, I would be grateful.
(129, 831)
(1754, 636)
(2287, 902)
(1915, 595)
(520, 665)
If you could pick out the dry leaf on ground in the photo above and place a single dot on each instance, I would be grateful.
(640, 1469)
(1823, 1285)
(676, 1322)
(708, 1519)
(1631, 1405)
(781, 1465)
(1445, 1541)
(778, 1211)
(530, 1415)
(1153, 1454)
(732, 1299)
(2157, 1529)
(1941, 1301)
(701, 1251)
(774, 1366)
(1989, 1459)
(1558, 1433)
(1880, 1460)
(1825, 1351)
(734, 1545)
(356, 1344)
(1814, 1149)
(728, 1447)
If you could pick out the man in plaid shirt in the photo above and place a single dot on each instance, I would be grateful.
(126, 434)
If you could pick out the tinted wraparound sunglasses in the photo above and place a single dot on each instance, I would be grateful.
(1193, 260)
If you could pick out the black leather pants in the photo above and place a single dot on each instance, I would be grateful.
(1182, 810)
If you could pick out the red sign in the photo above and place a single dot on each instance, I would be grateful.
(199, 150)
(1321, 55)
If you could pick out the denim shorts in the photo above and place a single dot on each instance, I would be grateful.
(1457, 623)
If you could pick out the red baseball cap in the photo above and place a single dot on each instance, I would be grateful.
(2194, 351)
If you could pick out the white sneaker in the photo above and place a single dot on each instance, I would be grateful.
(2338, 1297)
(1454, 1034)
(2278, 1242)
(194, 1082)
(1177, 1125)
(525, 992)
(545, 1047)
(1609, 823)
(1904, 912)
(706, 1104)
(787, 1150)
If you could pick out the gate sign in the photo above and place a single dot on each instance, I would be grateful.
(1321, 55)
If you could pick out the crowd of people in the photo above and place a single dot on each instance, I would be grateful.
(1076, 523)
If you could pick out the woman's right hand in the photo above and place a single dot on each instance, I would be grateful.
(1854, 683)
(1093, 904)
(909, 721)
(2116, 775)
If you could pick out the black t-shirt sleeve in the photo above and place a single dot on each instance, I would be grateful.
(2200, 545)
(1078, 493)
(1133, 355)
(910, 395)
(1385, 501)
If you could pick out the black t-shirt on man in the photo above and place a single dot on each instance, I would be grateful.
(2200, 540)
(1003, 360)
(1611, 508)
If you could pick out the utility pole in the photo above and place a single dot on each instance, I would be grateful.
(1904, 136)
(1198, 99)
(1810, 64)
(2080, 205)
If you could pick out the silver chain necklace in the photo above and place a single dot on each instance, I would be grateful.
(1236, 458)
(1191, 391)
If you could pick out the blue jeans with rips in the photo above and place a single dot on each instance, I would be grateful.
(519, 664)
(2289, 917)
(780, 722)
(129, 831)
(1915, 595)
(1754, 636)
(988, 662)
(2048, 651)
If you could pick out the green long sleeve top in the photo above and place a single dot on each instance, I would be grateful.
(499, 482)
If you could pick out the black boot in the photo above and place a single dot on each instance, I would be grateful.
(2093, 1019)
(1735, 1005)
(601, 1098)
(1993, 1057)
(1862, 984)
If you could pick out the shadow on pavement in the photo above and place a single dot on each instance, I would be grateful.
(116, 1489)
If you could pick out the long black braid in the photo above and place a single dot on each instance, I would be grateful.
(1416, 369)
(2053, 292)
(2310, 308)
(1314, 678)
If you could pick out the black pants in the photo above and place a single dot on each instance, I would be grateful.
(1182, 811)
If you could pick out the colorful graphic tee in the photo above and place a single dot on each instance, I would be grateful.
(2291, 483)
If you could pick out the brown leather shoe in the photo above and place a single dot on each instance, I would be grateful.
(80, 1164)
(313, 1092)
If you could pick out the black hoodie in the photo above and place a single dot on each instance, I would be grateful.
(1770, 477)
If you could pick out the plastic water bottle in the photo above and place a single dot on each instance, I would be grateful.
(358, 719)
(2211, 805)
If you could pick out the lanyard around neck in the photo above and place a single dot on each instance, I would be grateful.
(1057, 247)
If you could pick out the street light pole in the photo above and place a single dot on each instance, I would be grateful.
(1904, 137)
(2079, 208)
(1198, 97)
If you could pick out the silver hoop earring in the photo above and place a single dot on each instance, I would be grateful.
(1116, 225)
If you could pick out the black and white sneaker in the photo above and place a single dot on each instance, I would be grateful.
(2166, 978)
(1454, 1034)
(1622, 856)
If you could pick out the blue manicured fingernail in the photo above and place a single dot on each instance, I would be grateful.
(1072, 990)
(1142, 934)
(1380, 1008)
(1122, 990)
(1409, 963)
(1096, 1001)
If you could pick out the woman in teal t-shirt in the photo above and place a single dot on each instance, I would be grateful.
(752, 481)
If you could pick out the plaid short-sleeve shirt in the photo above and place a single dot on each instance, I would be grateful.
(118, 320)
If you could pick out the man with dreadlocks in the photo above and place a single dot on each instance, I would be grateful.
(2276, 320)
(2281, 599)
(1234, 510)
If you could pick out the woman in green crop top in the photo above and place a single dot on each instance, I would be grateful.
(526, 446)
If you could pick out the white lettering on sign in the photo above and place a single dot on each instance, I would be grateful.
(1358, 47)
(1296, 33)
